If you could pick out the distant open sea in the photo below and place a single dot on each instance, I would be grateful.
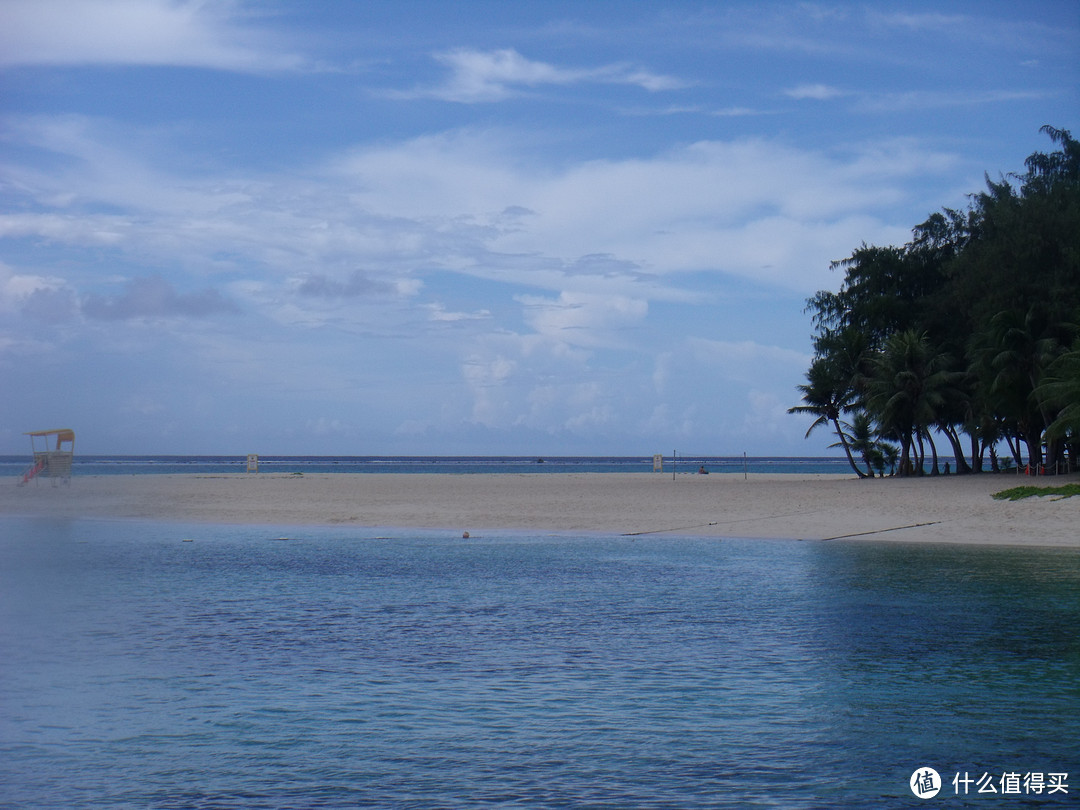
(148, 465)
(156, 665)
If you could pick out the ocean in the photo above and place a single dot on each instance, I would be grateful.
(14, 465)
(199, 666)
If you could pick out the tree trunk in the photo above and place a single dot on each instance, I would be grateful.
(933, 450)
(1014, 448)
(905, 454)
(869, 464)
(1054, 449)
(962, 467)
(1052, 445)
(847, 450)
(1033, 439)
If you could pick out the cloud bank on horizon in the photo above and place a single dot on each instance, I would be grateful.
(410, 227)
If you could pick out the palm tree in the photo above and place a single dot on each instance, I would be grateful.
(863, 439)
(888, 457)
(999, 285)
(1060, 390)
(1018, 347)
(828, 393)
(907, 390)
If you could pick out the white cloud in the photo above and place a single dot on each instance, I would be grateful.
(767, 415)
(730, 206)
(915, 100)
(209, 34)
(745, 361)
(487, 378)
(438, 312)
(16, 287)
(485, 76)
(535, 382)
(547, 269)
(735, 389)
(478, 204)
(490, 76)
(153, 297)
(583, 319)
(818, 92)
(566, 265)
(953, 23)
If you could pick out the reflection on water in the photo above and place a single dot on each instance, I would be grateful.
(334, 668)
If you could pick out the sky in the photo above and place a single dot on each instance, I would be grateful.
(490, 228)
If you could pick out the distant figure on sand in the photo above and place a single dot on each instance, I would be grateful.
(702, 471)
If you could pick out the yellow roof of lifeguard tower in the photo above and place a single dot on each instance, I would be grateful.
(61, 434)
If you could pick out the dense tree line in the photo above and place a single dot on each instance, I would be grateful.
(967, 335)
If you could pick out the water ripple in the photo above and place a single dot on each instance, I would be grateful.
(420, 672)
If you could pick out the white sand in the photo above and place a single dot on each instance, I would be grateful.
(956, 509)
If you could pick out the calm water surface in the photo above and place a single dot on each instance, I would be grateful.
(464, 465)
(269, 668)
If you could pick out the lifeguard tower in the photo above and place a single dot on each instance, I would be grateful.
(51, 463)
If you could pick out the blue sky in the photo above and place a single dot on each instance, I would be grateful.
(473, 227)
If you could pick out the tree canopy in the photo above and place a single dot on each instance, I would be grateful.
(970, 331)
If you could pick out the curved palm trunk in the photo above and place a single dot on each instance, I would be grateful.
(905, 454)
(1014, 448)
(1052, 445)
(1033, 439)
(869, 464)
(962, 466)
(847, 449)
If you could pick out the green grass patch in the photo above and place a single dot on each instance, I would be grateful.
(1017, 493)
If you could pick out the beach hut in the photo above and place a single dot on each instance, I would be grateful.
(50, 461)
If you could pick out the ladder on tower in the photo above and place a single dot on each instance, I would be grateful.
(32, 471)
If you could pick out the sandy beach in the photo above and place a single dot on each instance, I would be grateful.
(956, 509)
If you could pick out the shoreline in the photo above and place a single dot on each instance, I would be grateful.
(954, 509)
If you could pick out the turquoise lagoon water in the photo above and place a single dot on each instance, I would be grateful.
(291, 668)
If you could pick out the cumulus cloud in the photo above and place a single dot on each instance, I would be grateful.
(154, 297)
(733, 206)
(51, 305)
(485, 76)
(439, 313)
(16, 287)
(356, 285)
(745, 360)
(531, 382)
(138, 32)
(584, 319)
(470, 203)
